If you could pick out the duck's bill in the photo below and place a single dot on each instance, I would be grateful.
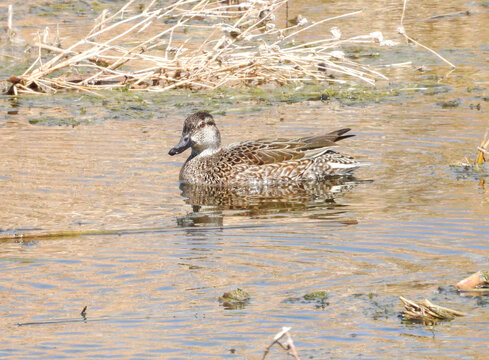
(182, 145)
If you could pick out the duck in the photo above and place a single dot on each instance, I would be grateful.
(258, 162)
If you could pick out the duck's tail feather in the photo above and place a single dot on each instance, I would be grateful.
(337, 135)
(325, 140)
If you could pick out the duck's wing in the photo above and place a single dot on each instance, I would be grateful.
(266, 151)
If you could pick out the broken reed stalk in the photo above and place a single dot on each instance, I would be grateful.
(483, 150)
(234, 45)
(10, 29)
(482, 156)
(478, 281)
(402, 31)
(427, 312)
(288, 346)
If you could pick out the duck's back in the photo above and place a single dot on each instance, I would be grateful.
(269, 161)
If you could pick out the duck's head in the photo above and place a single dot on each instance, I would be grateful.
(200, 133)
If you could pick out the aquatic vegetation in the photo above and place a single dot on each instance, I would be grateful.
(472, 89)
(376, 306)
(318, 298)
(56, 121)
(234, 299)
(449, 103)
(233, 97)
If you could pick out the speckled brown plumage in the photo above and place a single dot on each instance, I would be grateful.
(259, 161)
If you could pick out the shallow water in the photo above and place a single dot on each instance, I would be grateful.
(156, 262)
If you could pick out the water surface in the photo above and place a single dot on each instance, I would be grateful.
(408, 224)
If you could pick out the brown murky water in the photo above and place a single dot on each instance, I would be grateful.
(408, 224)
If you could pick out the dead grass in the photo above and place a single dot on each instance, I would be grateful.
(193, 44)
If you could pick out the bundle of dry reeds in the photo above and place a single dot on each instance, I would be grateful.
(427, 312)
(193, 44)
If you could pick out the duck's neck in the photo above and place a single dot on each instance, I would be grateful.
(203, 153)
(207, 142)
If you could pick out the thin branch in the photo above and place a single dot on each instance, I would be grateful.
(402, 31)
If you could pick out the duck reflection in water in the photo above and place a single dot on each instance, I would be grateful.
(260, 175)
(309, 199)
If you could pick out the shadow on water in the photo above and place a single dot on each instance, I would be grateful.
(308, 199)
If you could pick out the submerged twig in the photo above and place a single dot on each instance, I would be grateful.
(83, 313)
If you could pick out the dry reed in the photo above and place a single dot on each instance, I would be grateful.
(427, 312)
(483, 150)
(10, 29)
(232, 44)
(402, 31)
(481, 159)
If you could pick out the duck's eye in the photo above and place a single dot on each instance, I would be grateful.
(202, 124)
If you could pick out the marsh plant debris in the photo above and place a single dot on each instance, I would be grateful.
(195, 44)
(319, 298)
(426, 312)
(234, 299)
(477, 282)
(482, 156)
(483, 150)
